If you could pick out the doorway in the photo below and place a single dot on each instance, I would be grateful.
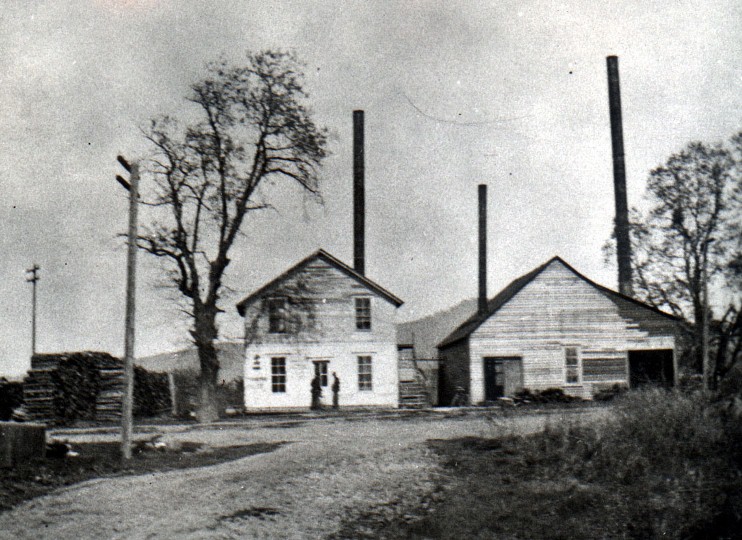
(503, 376)
(651, 368)
(320, 371)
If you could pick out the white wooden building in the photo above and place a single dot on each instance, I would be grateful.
(555, 328)
(318, 318)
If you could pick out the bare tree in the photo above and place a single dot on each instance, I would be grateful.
(247, 125)
(689, 239)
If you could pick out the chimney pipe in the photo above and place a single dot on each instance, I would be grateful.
(359, 196)
(623, 240)
(482, 248)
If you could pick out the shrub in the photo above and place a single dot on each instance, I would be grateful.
(11, 397)
(151, 393)
(610, 392)
(228, 394)
(549, 395)
(673, 459)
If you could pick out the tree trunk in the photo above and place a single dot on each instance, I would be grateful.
(204, 335)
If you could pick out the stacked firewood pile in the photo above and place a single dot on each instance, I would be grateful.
(62, 388)
(108, 402)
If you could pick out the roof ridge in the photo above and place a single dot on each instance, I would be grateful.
(515, 286)
(334, 261)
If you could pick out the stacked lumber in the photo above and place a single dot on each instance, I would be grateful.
(63, 388)
(76, 386)
(38, 395)
(109, 401)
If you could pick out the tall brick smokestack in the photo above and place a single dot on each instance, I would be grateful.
(359, 195)
(482, 248)
(623, 240)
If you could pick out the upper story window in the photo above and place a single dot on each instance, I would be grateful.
(277, 315)
(572, 365)
(363, 313)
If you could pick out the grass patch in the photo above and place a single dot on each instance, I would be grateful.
(39, 477)
(665, 466)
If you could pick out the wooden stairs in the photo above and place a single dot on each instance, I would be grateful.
(412, 395)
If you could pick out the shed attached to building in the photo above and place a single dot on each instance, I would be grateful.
(555, 328)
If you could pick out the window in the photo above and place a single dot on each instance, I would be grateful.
(278, 375)
(604, 369)
(365, 381)
(320, 370)
(363, 313)
(572, 365)
(277, 315)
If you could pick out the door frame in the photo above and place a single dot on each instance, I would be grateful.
(499, 360)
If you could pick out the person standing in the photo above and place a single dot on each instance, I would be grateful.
(335, 390)
(316, 392)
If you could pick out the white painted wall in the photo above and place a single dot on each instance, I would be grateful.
(333, 337)
(556, 310)
(342, 358)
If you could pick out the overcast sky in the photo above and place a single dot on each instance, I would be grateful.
(511, 94)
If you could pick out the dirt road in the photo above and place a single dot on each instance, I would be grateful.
(329, 471)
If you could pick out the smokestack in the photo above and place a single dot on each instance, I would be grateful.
(359, 196)
(623, 241)
(482, 248)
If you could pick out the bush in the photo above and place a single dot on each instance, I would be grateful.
(549, 395)
(11, 397)
(228, 394)
(674, 460)
(151, 393)
(611, 392)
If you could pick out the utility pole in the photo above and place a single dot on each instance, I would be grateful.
(32, 280)
(127, 407)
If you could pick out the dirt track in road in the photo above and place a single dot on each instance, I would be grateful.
(330, 470)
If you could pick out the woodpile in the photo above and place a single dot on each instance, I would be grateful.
(110, 397)
(63, 388)
(38, 395)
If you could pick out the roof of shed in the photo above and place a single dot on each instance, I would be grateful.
(504, 296)
(332, 261)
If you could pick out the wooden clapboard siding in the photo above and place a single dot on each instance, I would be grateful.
(320, 293)
(556, 309)
(456, 364)
(343, 360)
(329, 312)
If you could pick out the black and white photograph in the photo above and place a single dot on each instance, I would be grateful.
(396, 269)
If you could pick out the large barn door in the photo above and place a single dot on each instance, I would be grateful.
(651, 367)
(502, 377)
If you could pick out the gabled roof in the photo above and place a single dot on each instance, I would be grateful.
(505, 295)
(332, 261)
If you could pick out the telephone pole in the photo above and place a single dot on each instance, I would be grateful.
(32, 280)
(132, 185)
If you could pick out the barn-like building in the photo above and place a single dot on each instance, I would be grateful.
(555, 328)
